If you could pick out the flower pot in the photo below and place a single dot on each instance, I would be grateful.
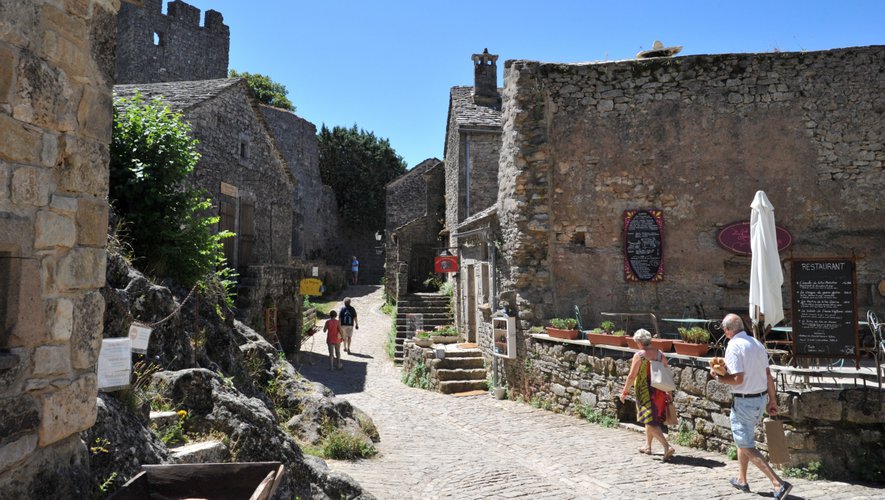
(444, 339)
(606, 339)
(562, 334)
(688, 349)
(423, 342)
(662, 344)
(500, 392)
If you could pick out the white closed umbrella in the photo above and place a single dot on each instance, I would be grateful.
(766, 276)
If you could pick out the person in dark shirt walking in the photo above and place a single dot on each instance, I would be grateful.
(349, 321)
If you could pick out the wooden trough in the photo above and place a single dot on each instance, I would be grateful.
(237, 481)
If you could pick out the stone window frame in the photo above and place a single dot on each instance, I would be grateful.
(244, 149)
(159, 38)
(10, 268)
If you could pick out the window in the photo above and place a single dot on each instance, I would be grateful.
(159, 39)
(9, 286)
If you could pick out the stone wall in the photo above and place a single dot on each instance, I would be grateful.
(841, 428)
(694, 136)
(154, 47)
(477, 151)
(56, 72)
(263, 287)
(316, 230)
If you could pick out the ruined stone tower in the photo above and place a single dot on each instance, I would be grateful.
(485, 78)
(156, 47)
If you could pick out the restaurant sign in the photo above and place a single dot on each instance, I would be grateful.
(735, 237)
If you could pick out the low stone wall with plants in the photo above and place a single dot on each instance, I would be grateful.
(419, 367)
(839, 433)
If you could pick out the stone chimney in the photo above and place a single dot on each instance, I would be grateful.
(485, 79)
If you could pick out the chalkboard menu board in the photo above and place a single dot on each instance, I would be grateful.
(824, 308)
(643, 245)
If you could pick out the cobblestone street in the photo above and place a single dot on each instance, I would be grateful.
(438, 446)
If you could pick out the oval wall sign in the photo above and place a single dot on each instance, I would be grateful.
(643, 245)
(735, 237)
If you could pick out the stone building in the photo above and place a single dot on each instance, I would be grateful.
(315, 225)
(415, 213)
(473, 143)
(690, 138)
(56, 73)
(157, 47)
(693, 137)
(249, 182)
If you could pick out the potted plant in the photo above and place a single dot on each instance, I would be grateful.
(563, 328)
(632, 344)
(663, 345)
(695, 341)
(422, 339)
(445, 334)
(605, 335)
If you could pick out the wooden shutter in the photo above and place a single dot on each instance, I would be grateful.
(247, 232)
(228, 222)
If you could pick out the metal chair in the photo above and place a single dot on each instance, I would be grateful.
(877, 350)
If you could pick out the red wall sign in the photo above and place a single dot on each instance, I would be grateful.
(445, 264)
(735, 237)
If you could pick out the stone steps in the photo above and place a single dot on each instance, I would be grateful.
(434, 309)
(446, 375)
(453, 386)
(461, 362)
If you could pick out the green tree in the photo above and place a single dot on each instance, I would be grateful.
(266, 90)
(152, 153)
(358, 165)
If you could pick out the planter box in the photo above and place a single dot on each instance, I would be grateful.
(423, 342)
(562, 334)
(445, 339)
(632, 344)
(691, 349)
(663, 344)
(606, 339)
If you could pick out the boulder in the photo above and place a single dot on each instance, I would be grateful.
(120, 442)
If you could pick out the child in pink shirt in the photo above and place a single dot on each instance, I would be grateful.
(333, 340)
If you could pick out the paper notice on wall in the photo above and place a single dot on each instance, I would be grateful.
(114, 364)
(140, 336)
(315, 271)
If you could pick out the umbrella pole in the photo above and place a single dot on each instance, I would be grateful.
(758, 324)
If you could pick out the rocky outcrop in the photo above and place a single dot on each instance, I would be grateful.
(227, 383)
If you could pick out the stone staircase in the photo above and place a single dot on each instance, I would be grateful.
(462, 370)
(432, 306)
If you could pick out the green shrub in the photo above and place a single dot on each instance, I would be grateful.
(812, 471)
(607, 326)
(595, 416)
(166, 224)
(446, 331)
(419, 376)
(340, 445)
(695, 335)
(564, 323)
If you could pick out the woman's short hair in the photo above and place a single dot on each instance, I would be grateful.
(642, 337)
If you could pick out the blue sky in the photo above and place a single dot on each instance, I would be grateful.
(387, 66)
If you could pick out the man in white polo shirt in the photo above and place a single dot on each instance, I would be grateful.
(753, 388)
